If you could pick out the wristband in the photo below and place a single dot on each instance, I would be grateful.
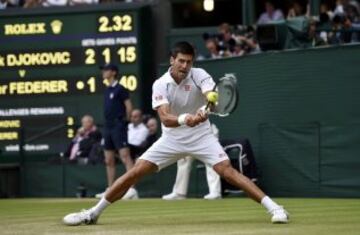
(181, 119)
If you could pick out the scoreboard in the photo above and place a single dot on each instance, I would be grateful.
(49, 69)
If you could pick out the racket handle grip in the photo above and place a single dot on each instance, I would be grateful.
(205, 109)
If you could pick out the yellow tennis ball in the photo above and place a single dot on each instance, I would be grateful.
(212, 96)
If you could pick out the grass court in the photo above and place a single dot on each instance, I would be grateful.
(191, 216)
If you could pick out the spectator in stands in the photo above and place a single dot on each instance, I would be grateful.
(57, 3)
(83, 147)
(245, 45)
(325, 24)
(82, 2)
(239, 49)
(107, 1)
(334, 37)
(270, 14)
(250, 33)
(32, 3)
(295, 10)
(3, 4)
(228, 43)
(213, 48)
(137, 133)
(341, 25)
(325, 9)
(352, 23)
(339, 9)
(313, 36)
(152, 125)
(54, 3)
(15, 3)
(9, 4)
(352, 10)
(227, 39)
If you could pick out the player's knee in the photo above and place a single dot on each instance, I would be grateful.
(135, 173)
(125, 157)
(109, 161)
(223, 168)
(142, 168)
(127, 161)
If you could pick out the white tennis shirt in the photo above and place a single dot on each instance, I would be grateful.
(186, 97)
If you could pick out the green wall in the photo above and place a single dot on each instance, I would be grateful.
(63, 180)
(300, 110)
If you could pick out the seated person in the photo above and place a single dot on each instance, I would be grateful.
(270, 14)
(213, 48)
(227, 39)
(137, 133)
(152, 125)
(295, 10)
(4, 4)
(87, 138)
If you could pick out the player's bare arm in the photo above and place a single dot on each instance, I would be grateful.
(171, 120)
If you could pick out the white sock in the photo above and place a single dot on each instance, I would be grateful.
(269, 204)
(100, 206)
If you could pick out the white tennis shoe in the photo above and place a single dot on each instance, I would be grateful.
(131, 194)
(82, 217)
(100, 195)
(212, 196)
(279, 216)
(173, 196)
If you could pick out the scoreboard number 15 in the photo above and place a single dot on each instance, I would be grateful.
(124, 54)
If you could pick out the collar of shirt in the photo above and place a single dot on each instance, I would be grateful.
(170, 79)
(114, 83)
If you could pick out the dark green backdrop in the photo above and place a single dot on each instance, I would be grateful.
(300, 111)
(298, 108)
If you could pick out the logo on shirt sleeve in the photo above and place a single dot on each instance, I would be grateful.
(159, 97)
(222, 155)
(207, 79)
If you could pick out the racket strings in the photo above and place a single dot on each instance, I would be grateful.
(227, 97)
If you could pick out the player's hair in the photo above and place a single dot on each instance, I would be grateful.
(183, 48)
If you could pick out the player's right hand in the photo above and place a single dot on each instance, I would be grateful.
(192, 120)
(202, 115)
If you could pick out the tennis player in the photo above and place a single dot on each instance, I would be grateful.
(178, 97)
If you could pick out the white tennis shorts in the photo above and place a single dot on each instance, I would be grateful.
(166, 151)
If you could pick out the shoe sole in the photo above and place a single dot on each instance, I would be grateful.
(173, 199)
(279, 222)
(68, 224)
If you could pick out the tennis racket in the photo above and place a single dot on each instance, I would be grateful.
(228, 97)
